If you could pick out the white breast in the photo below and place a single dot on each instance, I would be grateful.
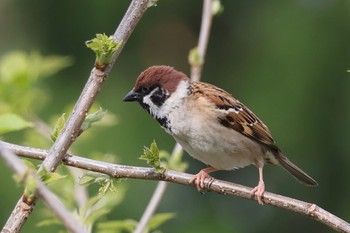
(194, 125)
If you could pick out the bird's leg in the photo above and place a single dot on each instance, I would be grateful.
(200, 177)
(260, 188)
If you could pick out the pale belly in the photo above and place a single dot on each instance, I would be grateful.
(198, 131)
(226, 150)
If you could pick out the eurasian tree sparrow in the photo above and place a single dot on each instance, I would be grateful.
(210, 124)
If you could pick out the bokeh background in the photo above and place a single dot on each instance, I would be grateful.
(286, 60)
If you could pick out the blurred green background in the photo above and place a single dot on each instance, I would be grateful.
(286, 60)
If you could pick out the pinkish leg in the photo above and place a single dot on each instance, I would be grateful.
(200, 177)
(260, 188)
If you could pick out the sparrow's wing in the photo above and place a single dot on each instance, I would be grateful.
(234, 114)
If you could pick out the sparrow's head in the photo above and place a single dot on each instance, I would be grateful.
(158, 89)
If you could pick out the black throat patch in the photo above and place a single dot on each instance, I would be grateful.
(164, 123)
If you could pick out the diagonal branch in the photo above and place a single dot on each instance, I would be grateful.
(72, 127)
(122, 171)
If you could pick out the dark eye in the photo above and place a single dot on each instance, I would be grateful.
(145, 89)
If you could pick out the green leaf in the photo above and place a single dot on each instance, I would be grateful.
(175, 162)
(159, 219)
(151, 155)
(61, 121)
(96, 214)
(48, 222)
(86, 180)
(30, 188)
(19, 75)
(92, 177)
(117, 226)
(88, 205)
(100, 205)
(216, 7)
(10, 122)
(93, 118)
(18, 65)
(48, 177)
(151, 3)
(106, 182)
(194, 57)
(104, 47)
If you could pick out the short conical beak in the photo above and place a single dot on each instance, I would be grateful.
(132, 96)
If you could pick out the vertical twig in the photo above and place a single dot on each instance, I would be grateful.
(207, 16)
(195, 76)
(155, 199)
(72, 128)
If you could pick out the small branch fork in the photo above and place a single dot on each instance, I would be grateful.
(49, 198)
(222, 187)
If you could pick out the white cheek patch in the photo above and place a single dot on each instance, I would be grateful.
(147, 100)
(174, 100)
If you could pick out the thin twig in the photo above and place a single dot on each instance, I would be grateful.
(151, 207)
(219, 186)
(156, 198)
(49, 198)
(195, 76)
(207, 16)
(72, 127)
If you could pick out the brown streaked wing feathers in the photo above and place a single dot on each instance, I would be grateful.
(240, 118)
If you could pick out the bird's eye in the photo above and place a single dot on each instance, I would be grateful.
(145, 89)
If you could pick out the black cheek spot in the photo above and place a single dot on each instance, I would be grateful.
(159, 97)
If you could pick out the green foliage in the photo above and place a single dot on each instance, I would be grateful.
(216, 7)
(48, 177)
(58, 127)
(129, 225)
(102, 203)
(174, 161)
(106, 182)
(30, 183)
(194, 57)
(151, 155)
(159, 219)
(117, 226)
(30, 187)
(162, 159)
(93, 118)
(151, 3)
(19, 75)
(48, 222)
(104, 47)
(12, 122)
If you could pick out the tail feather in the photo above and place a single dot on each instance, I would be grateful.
(299, 174)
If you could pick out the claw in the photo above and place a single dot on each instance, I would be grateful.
(260, 188)
(200, 177)
(259, 191)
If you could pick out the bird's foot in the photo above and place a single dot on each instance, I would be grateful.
(200, 177)
(259, 191)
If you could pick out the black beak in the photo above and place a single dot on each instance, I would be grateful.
(132, 96)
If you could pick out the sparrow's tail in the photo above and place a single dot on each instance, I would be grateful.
(299, 174)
